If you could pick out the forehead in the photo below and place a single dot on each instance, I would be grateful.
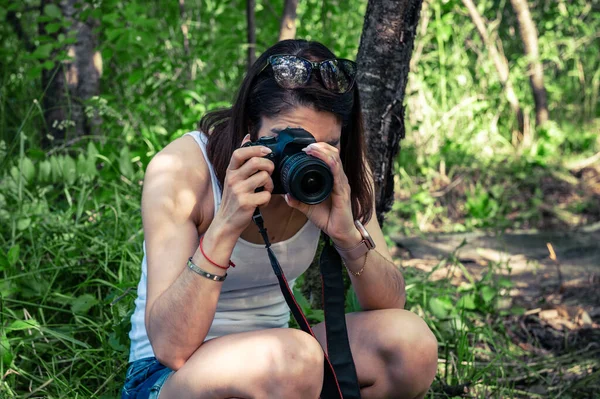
(324, 126)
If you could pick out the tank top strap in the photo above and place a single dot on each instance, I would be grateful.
(202, 141)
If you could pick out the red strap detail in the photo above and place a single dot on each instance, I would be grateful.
(231, 264)
(328, 364)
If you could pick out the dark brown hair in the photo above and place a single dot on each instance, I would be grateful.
(259, 95)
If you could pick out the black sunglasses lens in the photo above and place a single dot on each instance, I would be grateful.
(290, 72)
(338, 75)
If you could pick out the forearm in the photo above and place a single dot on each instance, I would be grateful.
(380, 285)
(180, 318)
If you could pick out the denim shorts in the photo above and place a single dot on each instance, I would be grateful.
(145, 378)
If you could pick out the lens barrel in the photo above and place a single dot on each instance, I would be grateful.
(306, 178)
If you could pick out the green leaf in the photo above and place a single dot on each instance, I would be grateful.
(52, 11)
(6, 355)
(301, 299)
(517, 310)
(3, 260)
(81, 165)
(69, 170)
(92, 151)
(64, 337)
(440, 307)
(467, 302)
(56, 169)
(114, 343)
(352, 304)
(505, 282)
(315, 315)
(23, 223)
(43, 51)
(136, 76)
(48, 65)
(19, 325)
(53, 27)
(13, 254)
(44, 171)
(27, 169)
(487, 293)
(34, 72)
(83, 303)
(125, 166)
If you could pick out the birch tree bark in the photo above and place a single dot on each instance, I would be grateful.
(386, 46)
(529, 36)
(287, 29)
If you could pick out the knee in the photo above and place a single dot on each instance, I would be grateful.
(295, 364)
(411, 350)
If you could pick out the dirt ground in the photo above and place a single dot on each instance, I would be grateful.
(556, 277)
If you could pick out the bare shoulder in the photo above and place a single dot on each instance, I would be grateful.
(177, 183)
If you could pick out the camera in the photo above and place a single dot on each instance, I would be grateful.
(306, 178)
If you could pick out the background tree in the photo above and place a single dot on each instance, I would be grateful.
(529, 36)
(386, 46)
(501, 65)
(74, 80)
(251, 32)
(287, 29)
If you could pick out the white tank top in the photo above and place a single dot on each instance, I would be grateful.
(250, 297)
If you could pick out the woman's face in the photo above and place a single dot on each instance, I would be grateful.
(324, 126)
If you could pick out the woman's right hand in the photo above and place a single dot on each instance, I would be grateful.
(247, 171)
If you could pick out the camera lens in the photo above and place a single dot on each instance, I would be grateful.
(308, 179)
(311, 182)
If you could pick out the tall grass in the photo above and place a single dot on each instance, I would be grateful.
(70, 225)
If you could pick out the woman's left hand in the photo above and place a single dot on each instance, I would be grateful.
(334, 215)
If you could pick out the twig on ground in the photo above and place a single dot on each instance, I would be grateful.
(555, 259)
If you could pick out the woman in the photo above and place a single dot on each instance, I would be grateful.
(196, 336)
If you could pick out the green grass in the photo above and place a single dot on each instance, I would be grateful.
(70, 225)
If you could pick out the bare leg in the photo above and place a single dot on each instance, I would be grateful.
(275, 363)
(394, 351)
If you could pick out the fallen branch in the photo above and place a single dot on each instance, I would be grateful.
(579, 165)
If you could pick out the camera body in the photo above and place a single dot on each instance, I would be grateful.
(306, 178)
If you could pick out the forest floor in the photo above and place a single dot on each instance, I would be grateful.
(555, 276)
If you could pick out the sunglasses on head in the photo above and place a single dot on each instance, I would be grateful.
(291, 72)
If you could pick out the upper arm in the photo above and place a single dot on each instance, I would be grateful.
(173, 185)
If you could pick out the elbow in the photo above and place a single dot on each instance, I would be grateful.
(167, 353)
(169, 359)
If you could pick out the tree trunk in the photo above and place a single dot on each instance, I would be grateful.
(184, 27)
(287, 29)
(251, 26)
(383, 61)
(501, 65)
(536, 71)
(71, 82)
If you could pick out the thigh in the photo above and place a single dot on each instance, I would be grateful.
(252, 364)
(392, 349)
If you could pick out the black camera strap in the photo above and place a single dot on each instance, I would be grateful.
(340, 380)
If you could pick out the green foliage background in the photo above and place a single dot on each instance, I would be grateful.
(70, 226)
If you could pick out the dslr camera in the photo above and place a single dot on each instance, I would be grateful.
(306, 178)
